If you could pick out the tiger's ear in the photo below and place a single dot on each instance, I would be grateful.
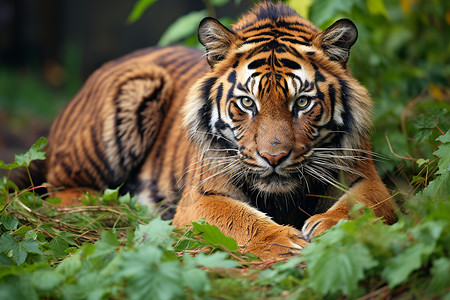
(337, 40)
(216, 38)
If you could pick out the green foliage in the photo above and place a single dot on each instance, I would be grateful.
(23, 160)
(114, 248)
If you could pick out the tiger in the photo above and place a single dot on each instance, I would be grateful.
(265, 134)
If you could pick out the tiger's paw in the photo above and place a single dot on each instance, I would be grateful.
(276, 242)
(318, 224)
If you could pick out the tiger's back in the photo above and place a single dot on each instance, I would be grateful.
(127, 111)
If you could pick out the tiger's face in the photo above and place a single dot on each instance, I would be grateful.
(278, 101)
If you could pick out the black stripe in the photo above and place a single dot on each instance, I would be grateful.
(257, 63)
(290, 64)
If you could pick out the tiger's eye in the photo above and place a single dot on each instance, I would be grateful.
(302, 102)
(247, 102)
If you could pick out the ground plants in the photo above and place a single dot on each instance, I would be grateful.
(114, 248)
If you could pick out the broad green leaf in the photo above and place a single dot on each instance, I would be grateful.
(183, 27)
(59, 246)
(106, 245)
(9, 222)
(68, 237)
(22, 231)
(213, 236)
(110, 195)
(440, 272)
(338, 268)
(444, 153)
(70, 266)
(7, 242)
(35, 153)
(398, 268)
(157, 232)
(19, 253)
(196, 280)
(46, 280)
(31, 246)
(138, 9)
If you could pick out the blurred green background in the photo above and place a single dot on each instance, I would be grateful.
(48, 48)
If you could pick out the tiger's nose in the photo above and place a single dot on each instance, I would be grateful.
(274, 159)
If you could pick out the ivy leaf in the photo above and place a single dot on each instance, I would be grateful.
(337, 269)
(110, 195)
(9, 222)
(196, 280)
(156, 232)
(107, 244)
(443, 153)
(23, 160)
(214, 236)
(19, 253)
(71, 265)
(399, 267)
(440, 271)
(46, 280)
(31, 246)
(7, 242)
(59, 246)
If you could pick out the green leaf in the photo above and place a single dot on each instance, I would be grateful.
(138, 9)
(398, 268)
(107, 244)
(68, 237)
(35, 153)
(440, 272)
(46, 280)
(443, 153)
(22, 231)
(7, 242)
(31, 246)
(19, 253)
(156, 232)
(213, 236)
(420, 162)
(70, 266)
(9, 222)
(338, 268)
(183, 27)
(110, 195)
(59, 246)
(196, 280)
(53, 200)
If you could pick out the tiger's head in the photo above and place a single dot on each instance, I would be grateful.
(279, 103)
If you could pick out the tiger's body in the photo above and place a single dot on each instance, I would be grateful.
(267, 138)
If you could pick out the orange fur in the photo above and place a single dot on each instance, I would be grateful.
(247, 137)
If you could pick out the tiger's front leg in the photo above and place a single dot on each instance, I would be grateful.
(369, 191)
(253, 230)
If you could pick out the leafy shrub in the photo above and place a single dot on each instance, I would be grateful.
(114, 248)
